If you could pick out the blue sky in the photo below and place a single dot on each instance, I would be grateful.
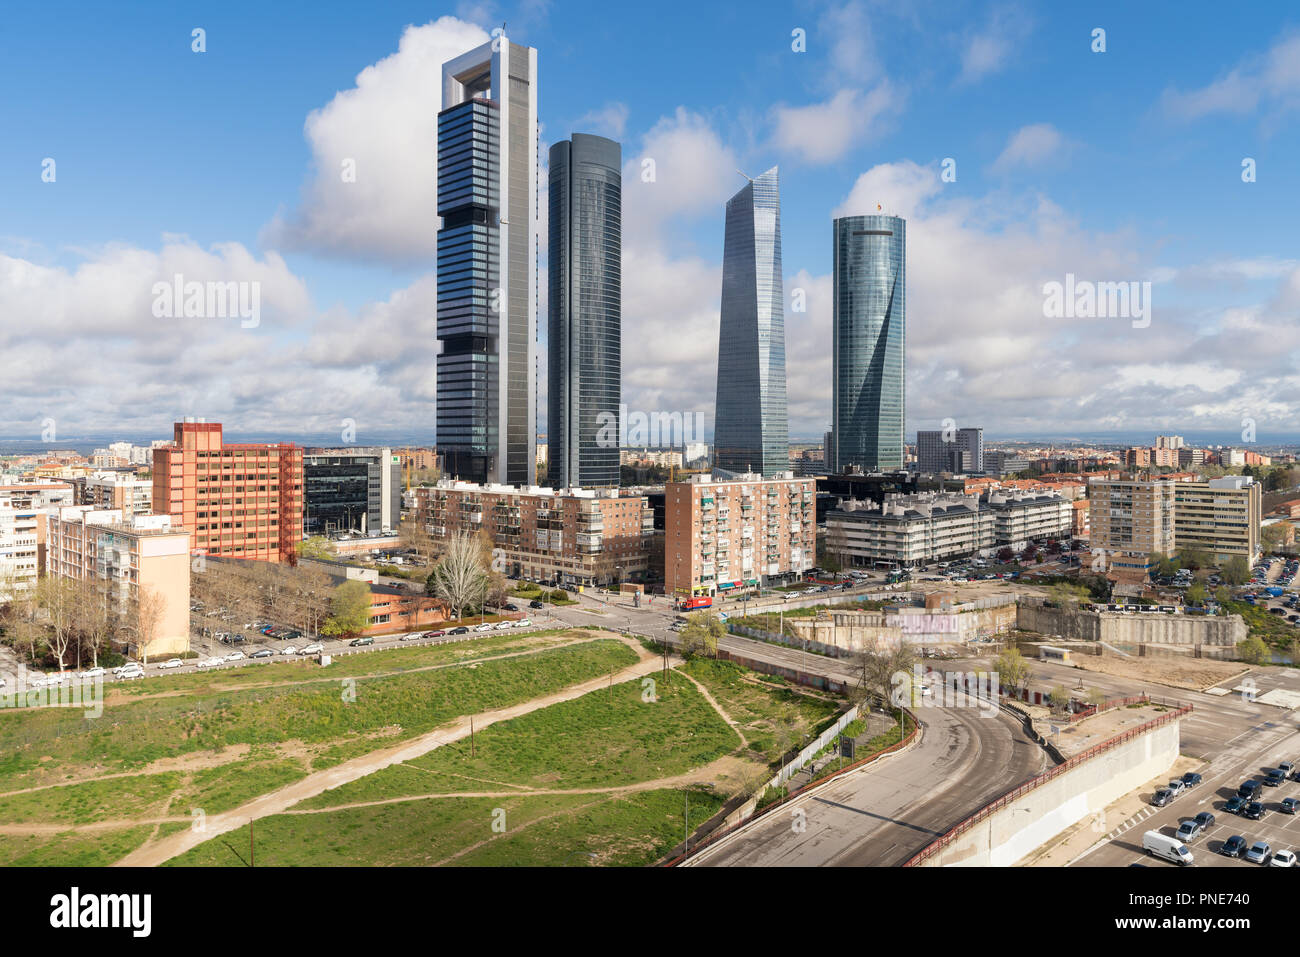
(1116, 166)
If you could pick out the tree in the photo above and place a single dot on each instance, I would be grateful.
(559, 595)
(414, 535)
(1196, 594)
(1068, 595)
(700, 634)
(1006, 553)
(460, 578)
(1273, 536)
(879, 672)
(1235, 570)
(1059, 698)
(1252, 650)
(1013, 669)
(1164, 564)
(349, 610)
(318, 547)
(1193, 557)
(56, 597)
(148, 613)
(1222, 594)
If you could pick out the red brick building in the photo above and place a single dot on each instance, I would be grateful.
(240, 501)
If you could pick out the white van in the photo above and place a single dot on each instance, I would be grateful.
(1170, 848)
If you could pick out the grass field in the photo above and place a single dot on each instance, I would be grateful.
(603, 739)
(531, 830)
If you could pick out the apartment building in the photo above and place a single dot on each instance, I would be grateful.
(138, 557)
(910, 530)
(240, 501)
(1131, 519)
(571, 536)
(959, 451)
(726, 536)
(109, 490)
(24, 509)
(1221, 516)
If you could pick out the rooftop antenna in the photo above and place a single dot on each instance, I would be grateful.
(746, 175)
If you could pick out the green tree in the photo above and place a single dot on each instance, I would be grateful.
(1067, 594)
(1252, 650)
(1164, 564)
(318, 547)
(1235, 570)
(701, 633)
(1013, 669)
(1196, 594)
(1222, 594)
(349, 610)
(1273, 536)
(1193, 557)
(1059, 698)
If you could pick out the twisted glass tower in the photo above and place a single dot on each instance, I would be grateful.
(869, 322)
(750, 428)
(584, 308)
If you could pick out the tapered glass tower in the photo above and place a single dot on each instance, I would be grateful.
(869, 322)
(584, 308)
(750, 428)
(487, 264)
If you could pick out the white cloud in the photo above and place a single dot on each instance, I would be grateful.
(387, 126)
(610, 120)
(1272, 78)
(694, 173)
(825, 132)
(987, 50)
(1029, 146)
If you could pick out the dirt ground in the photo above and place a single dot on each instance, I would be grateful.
(1194, 674)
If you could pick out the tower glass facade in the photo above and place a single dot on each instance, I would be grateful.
(869, 323)
(750, 427)
(487, 264)
(585, 312)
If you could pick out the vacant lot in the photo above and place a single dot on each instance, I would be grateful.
(1193, 673)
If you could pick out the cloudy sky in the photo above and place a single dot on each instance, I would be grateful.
(1016, 151)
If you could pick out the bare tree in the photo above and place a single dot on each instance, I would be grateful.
(149, 607)
(878, 672)
(57, 598)
(460, 576)
(414, 535)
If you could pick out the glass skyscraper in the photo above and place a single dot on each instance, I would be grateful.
(584, 307)
(487, 264)
(750, 428)
(869, 322)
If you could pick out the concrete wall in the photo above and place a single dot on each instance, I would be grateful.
(1130, 628)
(1011, 832)
(852, 631)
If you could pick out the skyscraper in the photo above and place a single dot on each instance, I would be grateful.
(750, 429)
(584, 309)
(869, 323)
(487, 264)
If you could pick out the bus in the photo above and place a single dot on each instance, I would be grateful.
(703, 601)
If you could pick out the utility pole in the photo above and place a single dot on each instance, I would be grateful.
(471, 736)
(252, 859)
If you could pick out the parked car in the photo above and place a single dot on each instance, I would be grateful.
(130, 674)
(171, 663)
(1191, 779)
(1274, 777)
(1188, 831)
(1162, 797)
(1235, 805)
(1253, 811)
(510, 606)
(536, 604)
(523, 623)
(1234, 846)
(1205, 819)
(315, 648)
(1258, 853)
(435, 634)
(211, 662)
(1286, 767)
(262, 653)
(1249, 789)
(1283, 859)
(503, 625)
(486, 626)
(1289, 805)
(93, 673)
(1177, 786)
(462, 630)
(359, 642)
(288, 650)
(235, 656)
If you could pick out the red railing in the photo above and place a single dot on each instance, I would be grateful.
(719, 834)
(962, 827)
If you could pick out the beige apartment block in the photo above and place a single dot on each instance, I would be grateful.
(1220, 516)
(726, 536)
(574, 536)
(139, 557)
(113, 490)
(1131, 519)
(24, 509)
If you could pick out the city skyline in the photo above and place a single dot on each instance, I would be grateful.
(1032, 201)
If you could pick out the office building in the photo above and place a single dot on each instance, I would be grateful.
(487, 264)
(584, 309)
(728, 534)
(241, 501)
(960, 451)
(574, 536)
(138, 558)
(1220, 517)
(1004, 463)
(352, 490)
(869, 329)
(750, 429)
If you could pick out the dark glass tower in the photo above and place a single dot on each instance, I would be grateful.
(869, 322)
(487, 264)
(750, 428)
(584, 346)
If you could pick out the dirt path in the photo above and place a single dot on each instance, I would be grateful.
(157, 852)
(713, 702)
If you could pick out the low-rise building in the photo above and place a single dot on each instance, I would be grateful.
(24, 512)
